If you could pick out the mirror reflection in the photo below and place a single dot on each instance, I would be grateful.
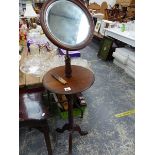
(67, 23)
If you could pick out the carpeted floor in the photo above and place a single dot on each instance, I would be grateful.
(113, 92)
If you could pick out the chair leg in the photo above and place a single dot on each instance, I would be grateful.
(47, 139)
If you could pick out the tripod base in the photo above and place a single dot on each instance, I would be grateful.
(75, 128)
(71, 130)
(70, 126)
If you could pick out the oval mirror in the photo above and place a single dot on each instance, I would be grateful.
(67, 23)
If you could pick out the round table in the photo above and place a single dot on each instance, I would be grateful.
(81, 80)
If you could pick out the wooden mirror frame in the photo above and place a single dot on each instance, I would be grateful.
(58, 43)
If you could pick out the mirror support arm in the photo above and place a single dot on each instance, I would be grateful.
(68, 69)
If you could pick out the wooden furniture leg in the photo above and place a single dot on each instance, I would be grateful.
(47, 138)
(70, 125)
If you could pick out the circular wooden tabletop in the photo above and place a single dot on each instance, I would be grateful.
(81, 80)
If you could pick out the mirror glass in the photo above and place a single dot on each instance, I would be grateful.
(67, 23)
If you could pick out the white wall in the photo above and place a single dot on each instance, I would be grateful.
(109, 2)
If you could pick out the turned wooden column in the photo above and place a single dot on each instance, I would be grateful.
(68, 69)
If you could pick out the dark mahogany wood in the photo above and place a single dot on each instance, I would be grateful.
(33, 114)
(68, 68)
(81, 80)
(52, 38)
